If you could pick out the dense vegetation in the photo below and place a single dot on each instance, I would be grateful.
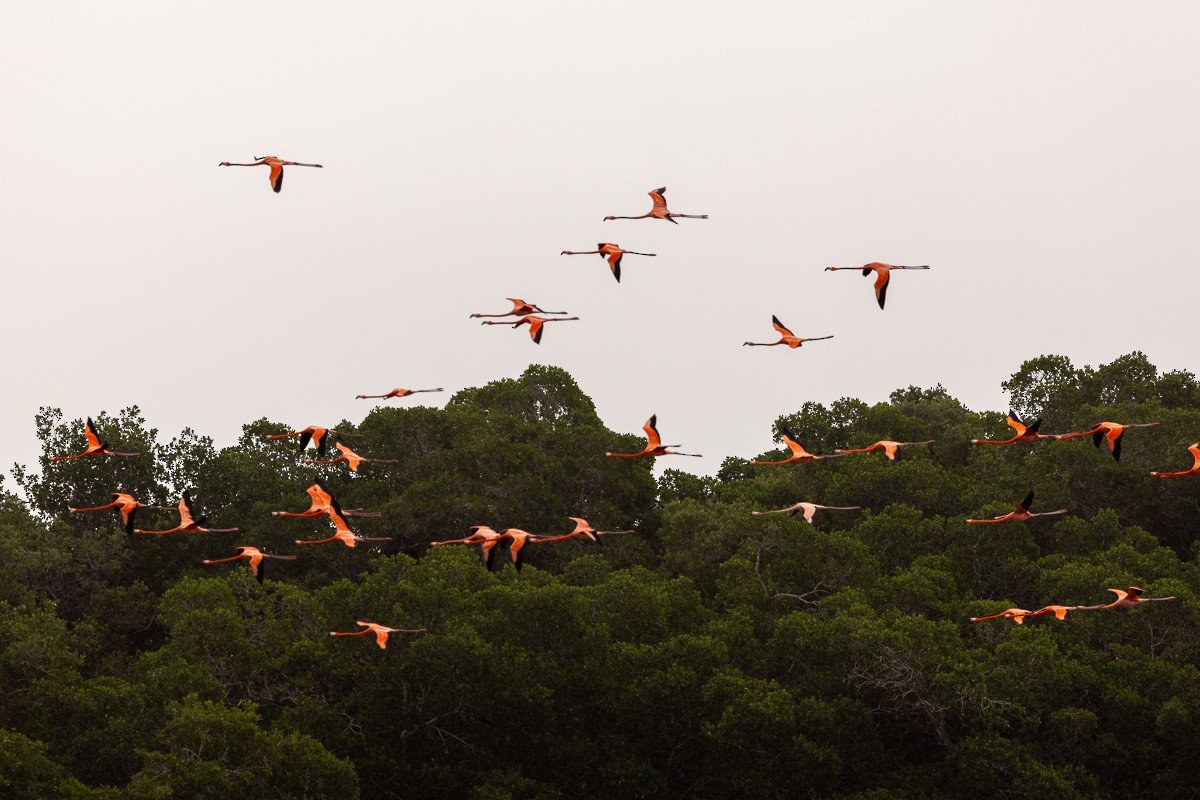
(713, 655)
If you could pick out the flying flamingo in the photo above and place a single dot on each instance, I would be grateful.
(889, 448)
(124, 503)
(395, 393)
(1025, 433)
(351, 458)
(254, 556)
(1110, 432)
(276, 165)
(342, 532)
(520, 309)
(187, 521)
(798, 452)
(1019, 615)
(610, 252)
(482, 535)
(381, 632)
(1195, 451)
(322, 503)
(313, 433)
(1125, 599)
(659, 211)
(654, 445)
(534, 322)
(583, 530)
(519, 538)
(809, 510)
(790, 339)
(883, 276)
(95, 446)
(1021, 513)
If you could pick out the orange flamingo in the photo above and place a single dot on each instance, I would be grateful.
(659, 210)
(187, 521)
(482, 535)
(799, 454)
(610, 252)
(95, 446)
(381, 632)
(809, 509)
(1125, 599)
(276, 165)
(790, 339)
(519, 538)
(126, 505)
(351, 458)
(313, 433)
(1021, 513)
(889, 448)
(342, 532)
(583, 530)
(255, 556)
(654, 445)
(534, 322)
(883, 276)
(395, 393)
(1195, 451)
(1110, 432)
(323, 503)
(1019, 615)
(1025, 433)
(520, 309)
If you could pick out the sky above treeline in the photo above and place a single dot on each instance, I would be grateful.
(1039, 157)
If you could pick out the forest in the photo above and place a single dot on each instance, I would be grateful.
(711, 654)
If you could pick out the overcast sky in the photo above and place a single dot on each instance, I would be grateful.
(1040, 157)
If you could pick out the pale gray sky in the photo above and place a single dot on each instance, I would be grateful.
(1037, 150)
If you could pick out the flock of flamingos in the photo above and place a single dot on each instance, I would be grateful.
(324, 504)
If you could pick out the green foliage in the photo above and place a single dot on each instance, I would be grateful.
(713, 654)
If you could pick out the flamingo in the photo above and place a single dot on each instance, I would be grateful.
(255, 556)
(534, 322)
(1125, 599)
(126, 505)
(351, 458)
(322, 503)
(798, 452)
(883, 276)
(1110, 432)
(313, 433)
(95, 446)
(1017, 615)
(1021, 513)
(482, 535)
(583, 530)
(889, 448)
(1195, 451)
(395, 393)
(809, 509)
(659, 211)
(276, 165)
(1025, 433)
(381, 632)
(520, 309)
(790, 339)
(342, 532)
(187, 521)
(519, 538)
(654, 445)
(611, 253)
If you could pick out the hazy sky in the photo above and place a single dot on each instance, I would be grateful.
(1041, 157)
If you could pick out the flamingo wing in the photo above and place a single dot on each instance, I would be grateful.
(1195, 451)
(882, 278)
(614, 263)
(779, 326)
(1114, 441)
(276, 178)
(256, 565)
(187, 511)
(535, 329)
(1025, 504)
(796, 448)
(1016, 424)
(659, 196)
(651, 430)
